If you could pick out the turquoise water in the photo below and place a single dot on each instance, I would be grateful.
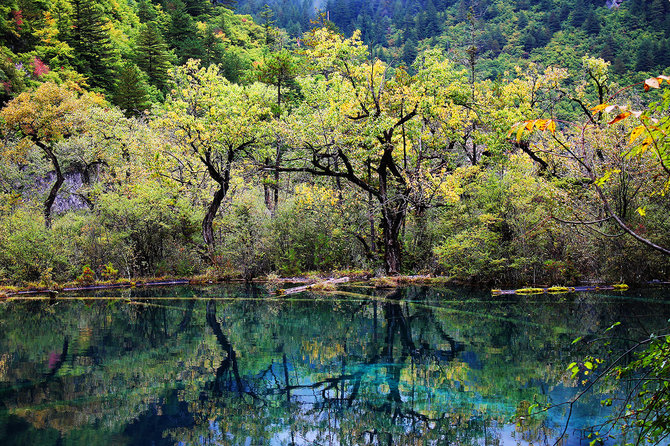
(232, 365)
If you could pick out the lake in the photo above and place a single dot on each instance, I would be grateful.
(232, 365)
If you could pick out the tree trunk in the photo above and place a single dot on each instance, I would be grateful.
(391, 223)
(267, 190)
(208, 221)
(60, 179)
(275, 186)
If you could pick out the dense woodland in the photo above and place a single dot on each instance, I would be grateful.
(490, 142)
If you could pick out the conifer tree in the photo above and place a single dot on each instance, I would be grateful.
(197, 8)
(645, 55)
(212, 47)
(94, 54)
(409, 51)
(146, 11)
(579, 13)
(131, 92)
(152, 55)
(183, 34)
(591, 24)
(266, 17)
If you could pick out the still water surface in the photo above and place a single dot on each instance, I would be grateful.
(231, 365)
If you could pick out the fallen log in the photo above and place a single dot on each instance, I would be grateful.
(300, 289)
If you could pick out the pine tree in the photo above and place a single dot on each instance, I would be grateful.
(232, 66)
(591, 24)
(409, 51)
(183, 34)
(152, 54)
(213, 47)
(432, 21)
(266, 20)
(579, 14)
(645, 56)
(131, 92)
(197, 8)
(146, 11)
(657, 12)
(94, 53)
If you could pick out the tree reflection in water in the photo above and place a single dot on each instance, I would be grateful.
(412, 366)
(361, 396)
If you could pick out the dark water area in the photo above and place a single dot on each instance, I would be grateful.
(231, 365)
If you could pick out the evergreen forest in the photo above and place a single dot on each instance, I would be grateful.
(493, 143)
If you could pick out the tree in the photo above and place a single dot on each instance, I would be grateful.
(622, 173)
(278, 69)
(94, 53)
(146, 11)
(213, 125)
(197, 8)
(212, 45)
(45, 117)
(183, 34)
(131, 91)
(152, 54)
(361, 124)
(409, 52)
(267, 15)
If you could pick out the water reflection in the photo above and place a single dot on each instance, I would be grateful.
(227, 365)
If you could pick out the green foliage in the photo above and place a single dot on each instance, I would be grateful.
(501, 231)
(182, 34)
(152, 54)
(94, 54)
(132, 91)
(310, 234)
(638, 411)
(109, 272)
(28, 251)
(245, 245)
(418, 160)
(146, 229)
(648, 413)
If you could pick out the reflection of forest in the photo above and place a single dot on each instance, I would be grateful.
(404, 367)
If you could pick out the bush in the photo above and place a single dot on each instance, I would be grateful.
(245, 238)
(310, 233)
(28, 251)
(146, 229)
(501, 231)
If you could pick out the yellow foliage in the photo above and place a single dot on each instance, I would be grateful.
(49, 113)
(311, 195)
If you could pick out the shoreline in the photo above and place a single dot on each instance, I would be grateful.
(308, 283)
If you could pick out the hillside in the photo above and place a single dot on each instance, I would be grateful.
(633, 35)
(122, 49)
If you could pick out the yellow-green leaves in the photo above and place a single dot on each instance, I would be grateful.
(600, 182)
(635, 133)
(207, 114)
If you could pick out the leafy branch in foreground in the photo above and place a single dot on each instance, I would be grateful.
(642, 412)
(593, 153)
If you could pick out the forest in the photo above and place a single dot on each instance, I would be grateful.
(492, 143)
